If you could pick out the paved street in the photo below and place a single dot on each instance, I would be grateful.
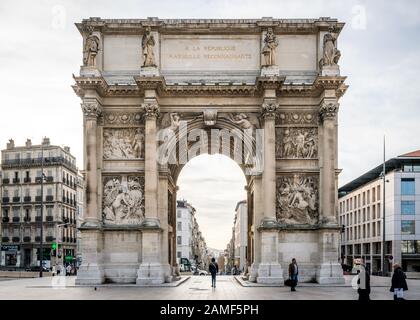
(195, 288)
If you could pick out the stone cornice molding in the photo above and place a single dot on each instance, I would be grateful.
(138, 26)
(328, 110)
(151, 109)
(274, 82)
(269, 109)
(91, 108)
(83, 84)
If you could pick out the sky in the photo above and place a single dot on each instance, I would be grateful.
(40, 49)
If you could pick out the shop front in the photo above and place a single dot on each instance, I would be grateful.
(10, 255)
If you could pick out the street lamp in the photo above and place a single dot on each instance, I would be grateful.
(41, 249)
(56, 238)
(383, 177)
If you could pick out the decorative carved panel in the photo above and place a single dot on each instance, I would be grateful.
(292, 118)
(297, 143)
(123, 143)
(123, 200)
(297, 199)
(122, 119)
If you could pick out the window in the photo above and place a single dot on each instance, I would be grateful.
(178, 213)
(49, 191)
(178, 254)
(378, 190)
(27, 192)
(5, 232)
(408, 247)
(179, 240)
(408, 207)
(373, 195)
(408, 227)
(5, 212)
(17, 156)
(407, 187)
(5, 193)
(16, 193)
(179, 226)
(16, 212)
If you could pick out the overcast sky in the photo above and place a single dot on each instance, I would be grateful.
(40, 49)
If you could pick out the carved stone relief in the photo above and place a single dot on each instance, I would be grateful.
(123, 200)
(127, 143)
(291, 117)
(297, 143)
(297, 199)
(122, 119)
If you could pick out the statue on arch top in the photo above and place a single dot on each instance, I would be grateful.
(147, 43)
(269, 50)
(331, 54)
(91, 51)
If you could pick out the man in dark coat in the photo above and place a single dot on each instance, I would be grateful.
(399, 283)
(364, 290)
(213, 269)
(293, 274)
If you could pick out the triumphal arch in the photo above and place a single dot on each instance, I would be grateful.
(155, 93)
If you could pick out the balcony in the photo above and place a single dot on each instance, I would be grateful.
(27, 219)
(38, 219)
(6, 219)
(27, 199)
(37, 239)
(38, 199)
(26, 239)
(16, 180)
(50, 239)
(50, 198)
(5, 239)
(38, 179)
(27, 180)
(50, 218)
(47, 161)
(16, 219)
(6, 181)
(16, 199)
(6, 199)
(50, 179)
(65, 220)
(15, 239)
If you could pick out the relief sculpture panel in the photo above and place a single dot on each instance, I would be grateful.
(123, 143)
(123, 200)
(297, 200)
(297, 143)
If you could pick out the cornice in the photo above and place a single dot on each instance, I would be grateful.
(208, 26)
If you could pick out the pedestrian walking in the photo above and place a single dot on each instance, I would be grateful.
(58, 269)
(398, 283)
(293, 274)
(68, 269)
(214, 269)
(363, 283)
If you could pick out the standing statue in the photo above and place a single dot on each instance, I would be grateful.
(91, 51)
(269, 50)
(137, 143)
(331, 53)
(147, 43)
(175, 121)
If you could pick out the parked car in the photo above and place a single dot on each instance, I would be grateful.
(36, 268)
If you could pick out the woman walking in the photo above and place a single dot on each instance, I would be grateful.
(399, 283)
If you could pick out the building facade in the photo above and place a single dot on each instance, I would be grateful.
(22, 201)
(141, 77)
(184, 233)
(241, 235)
(361, 215)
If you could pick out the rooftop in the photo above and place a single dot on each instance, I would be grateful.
(390, 165)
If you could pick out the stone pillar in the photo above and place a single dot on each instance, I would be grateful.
(91, 271)
(269, 269)
(151, 270)
(329, 270)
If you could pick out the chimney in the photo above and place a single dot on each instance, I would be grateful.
(46, 141)
(67, 149)
(28, 143)
(11, 144)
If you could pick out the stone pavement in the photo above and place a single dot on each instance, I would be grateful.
(194, 288)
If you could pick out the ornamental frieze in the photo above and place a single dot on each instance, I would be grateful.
(292, 118)
(121, 119)
(297, 200)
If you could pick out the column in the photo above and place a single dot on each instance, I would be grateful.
(269, 269)
(91, 271)
(151, 270)
(329, 270)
